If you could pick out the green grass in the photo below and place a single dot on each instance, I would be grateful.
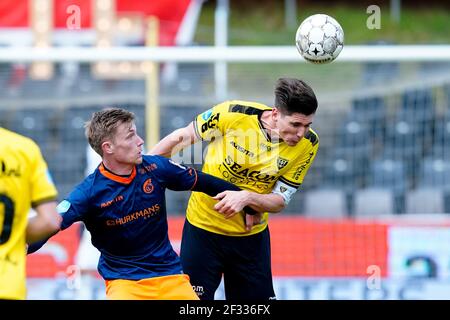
(265, 25)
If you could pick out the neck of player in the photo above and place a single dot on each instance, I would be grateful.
(269, 124)
(118, 168)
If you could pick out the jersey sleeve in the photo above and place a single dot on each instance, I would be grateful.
(42, 187)
(175, 176)
(213, 122)
(74, 208)
(287, 184)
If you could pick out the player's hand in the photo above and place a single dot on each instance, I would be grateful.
(230, 202)
(252, 220)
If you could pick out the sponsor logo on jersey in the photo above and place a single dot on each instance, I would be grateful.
(144, 213)
(147, 187)
(242, 149)
(300, 169)
(8, 170)
(110, 202)
(205, 115)
(150, 167)
(211, 123)
(251, 175)
(63, 206)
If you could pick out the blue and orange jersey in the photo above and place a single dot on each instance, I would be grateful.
(127, 217)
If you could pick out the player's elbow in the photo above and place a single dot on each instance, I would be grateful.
(45, 224)
(279, 204)
(280, 207)
(54, 223)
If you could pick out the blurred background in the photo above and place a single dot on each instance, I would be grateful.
(371, 220)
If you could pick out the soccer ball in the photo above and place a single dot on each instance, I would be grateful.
(319, 38)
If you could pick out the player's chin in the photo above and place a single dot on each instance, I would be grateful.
(139, 160)
(292, 143)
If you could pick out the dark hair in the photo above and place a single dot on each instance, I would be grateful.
(103, 125)
(294, 95)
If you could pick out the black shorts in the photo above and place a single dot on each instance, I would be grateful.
(243, 261)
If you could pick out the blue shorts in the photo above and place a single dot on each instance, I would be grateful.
(243, 261)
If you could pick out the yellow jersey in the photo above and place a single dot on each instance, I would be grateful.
(24, 182)
(241, 152)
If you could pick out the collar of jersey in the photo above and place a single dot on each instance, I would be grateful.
(265, 133)
(115, 177)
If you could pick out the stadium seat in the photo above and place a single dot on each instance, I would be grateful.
(373, 202)
(371, 108)
(418, 105)
(339, 173)
(325, 203)
(354, 134)
(435, 172)
(173, 118)
(405, 142)
(425, 200)
(441, 136)
(371, 112)
(354, 144)
(388, 173)
(391, 175)
(36, 123)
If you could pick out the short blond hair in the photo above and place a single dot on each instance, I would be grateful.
(103, 126)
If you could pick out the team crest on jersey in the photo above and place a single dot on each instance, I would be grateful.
(148, 186)
(281, 163)
(283, 189)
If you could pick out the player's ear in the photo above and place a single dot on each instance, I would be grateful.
(275, 114)
(107, 147)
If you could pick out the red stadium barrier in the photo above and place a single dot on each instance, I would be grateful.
(56, 255)
(308, 247)
(14, 13)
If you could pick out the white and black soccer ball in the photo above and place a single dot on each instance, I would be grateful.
(319, 38)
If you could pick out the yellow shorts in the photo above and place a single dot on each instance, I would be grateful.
(173, 287)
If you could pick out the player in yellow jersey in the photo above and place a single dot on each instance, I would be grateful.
(265, 151)
(24, 183)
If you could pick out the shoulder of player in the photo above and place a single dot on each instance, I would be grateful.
(149, 159)
(154, 164)
(89, 185)
(312, 137)
(241, 108)
(19, 141)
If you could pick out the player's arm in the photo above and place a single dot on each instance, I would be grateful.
(69, 211)
(43, 198)
(180, 178)
(231, 202)
(212, 186)
(175, 141)
(46, 222)
(206, 126)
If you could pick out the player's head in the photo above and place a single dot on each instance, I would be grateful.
(295, 106)
(112, 133)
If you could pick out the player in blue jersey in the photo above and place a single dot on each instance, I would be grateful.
(122, 205)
